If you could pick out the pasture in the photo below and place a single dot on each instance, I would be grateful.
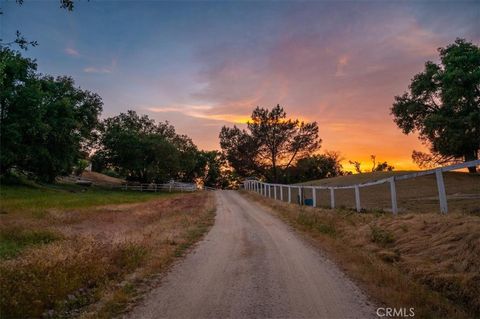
(68, 251)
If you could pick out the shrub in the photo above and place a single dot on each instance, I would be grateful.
(130, 256)
(381, 236)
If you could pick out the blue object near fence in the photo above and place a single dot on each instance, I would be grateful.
(308, 201)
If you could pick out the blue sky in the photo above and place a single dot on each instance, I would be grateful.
(203, 64)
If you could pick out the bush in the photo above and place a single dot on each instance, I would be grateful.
(381, 236)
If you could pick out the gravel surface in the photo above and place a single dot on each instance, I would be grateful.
(252, 265)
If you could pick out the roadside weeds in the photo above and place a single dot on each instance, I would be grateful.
(426, 261)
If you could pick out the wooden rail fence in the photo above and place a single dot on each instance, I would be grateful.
(265, 189)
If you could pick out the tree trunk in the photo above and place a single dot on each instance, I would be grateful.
(274, 167)
(471, 156)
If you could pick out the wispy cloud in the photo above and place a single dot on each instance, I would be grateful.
(341, 64)
(92, 69)
(418, 41)
(72, 52)
(101, 70)
(200, 112)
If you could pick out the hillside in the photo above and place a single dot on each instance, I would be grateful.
(355, 178)
(101, 179)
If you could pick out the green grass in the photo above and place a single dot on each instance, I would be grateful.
(13, 241)
(312, 221)
(20, 199)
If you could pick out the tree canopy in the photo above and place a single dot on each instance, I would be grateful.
(443, 106)
(376, 166)
(141, 150)
(314, 167)
(270, 144)
(47, 124)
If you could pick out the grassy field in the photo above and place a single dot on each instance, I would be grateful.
(427, 261)
(37, 200)
(70, 252)
(413, 195)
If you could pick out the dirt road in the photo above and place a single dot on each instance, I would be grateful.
(251, 265)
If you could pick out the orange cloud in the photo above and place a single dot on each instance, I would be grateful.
(196, 112)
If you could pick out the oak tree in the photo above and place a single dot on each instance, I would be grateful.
(443, 106)
(271, 143)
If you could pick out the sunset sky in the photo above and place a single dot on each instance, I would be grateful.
(202, 65)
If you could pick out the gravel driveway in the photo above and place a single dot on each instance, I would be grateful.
(252, 265)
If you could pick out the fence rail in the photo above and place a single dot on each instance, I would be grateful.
(265, 189)
(182, 187)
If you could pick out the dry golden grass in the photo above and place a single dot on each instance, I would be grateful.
(102, 179)
(102, 254)
(427, 261)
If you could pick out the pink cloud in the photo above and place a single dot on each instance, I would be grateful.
(92, 69)
(72, 52)
(108, 69)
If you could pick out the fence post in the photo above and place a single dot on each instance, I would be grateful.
(314, 196)
(357, 198)
(442, 196)
(332, 197)
(281, 192)
(300, 195)
(269, 190)
(289, 194)
(393, 195)
(275, 191)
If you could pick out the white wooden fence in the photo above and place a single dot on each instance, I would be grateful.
(265, 189)
(175, 186)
